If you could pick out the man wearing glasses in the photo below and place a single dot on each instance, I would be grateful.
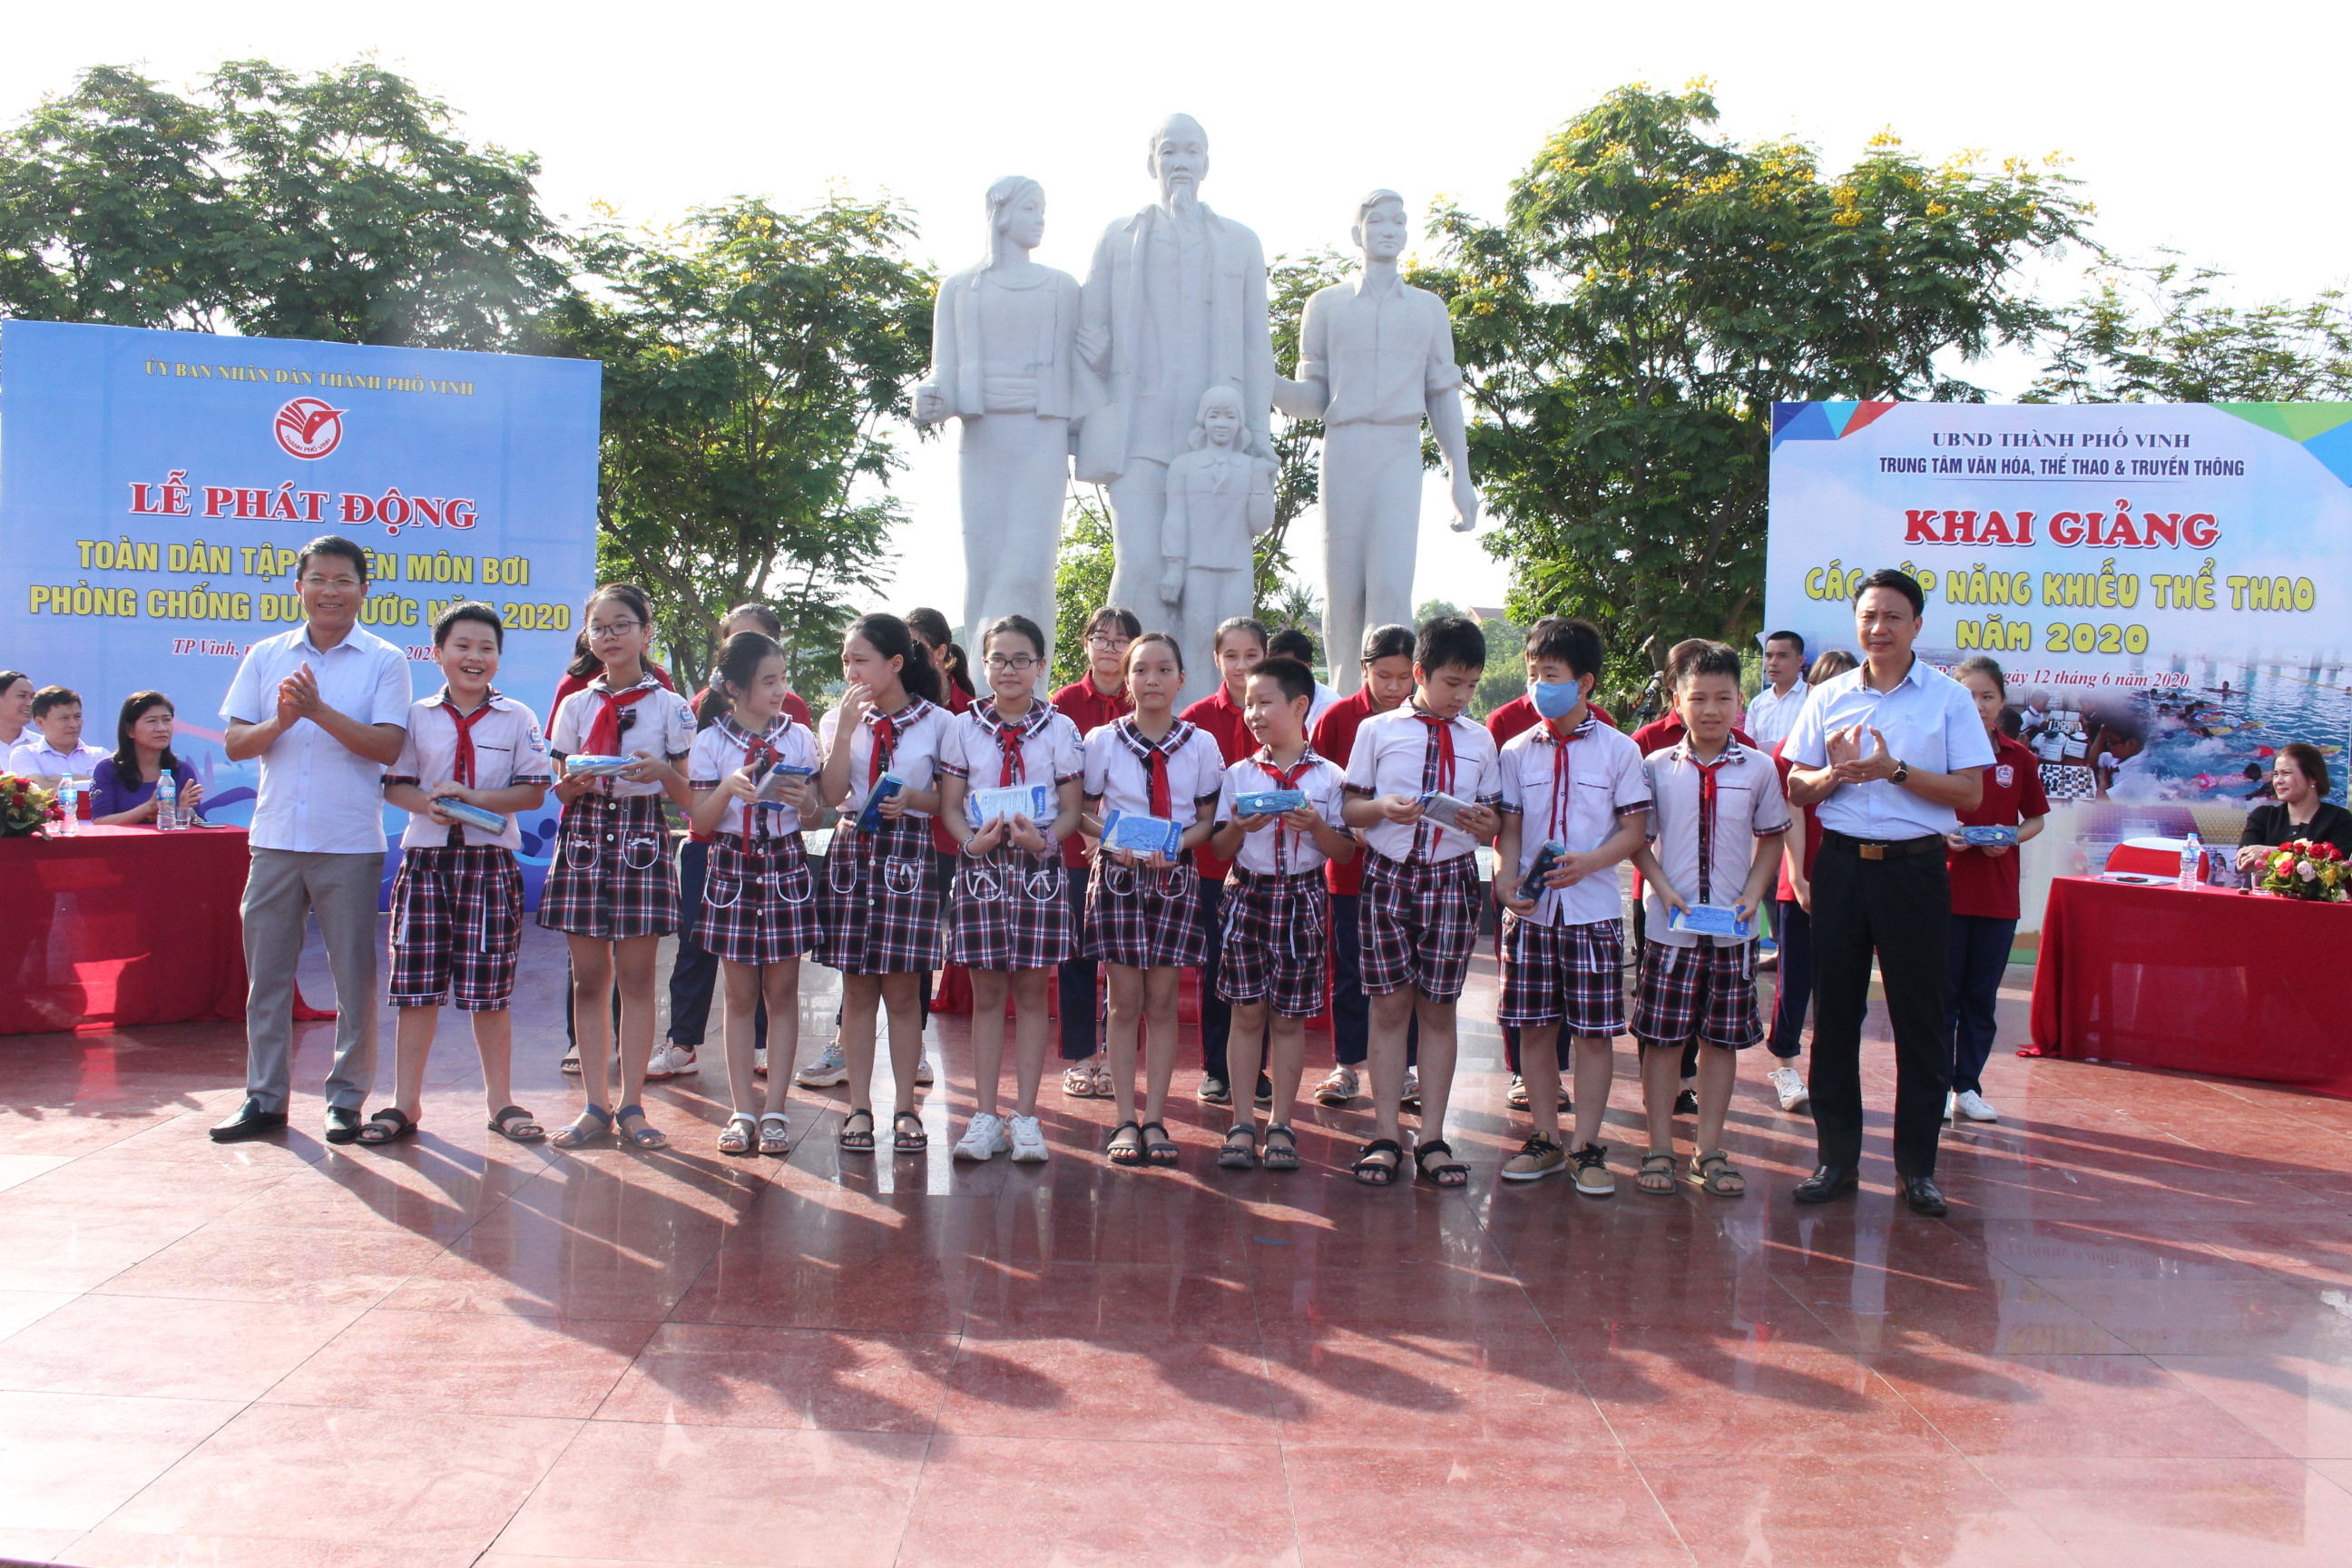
(1096, 697)
(325, 707)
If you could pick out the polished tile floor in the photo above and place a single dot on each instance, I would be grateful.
(2130, 1345)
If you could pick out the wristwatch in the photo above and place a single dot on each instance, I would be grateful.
(1902, 769)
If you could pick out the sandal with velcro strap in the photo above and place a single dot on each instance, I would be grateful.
(1448, 1172)
(1159, 1151)
(1656, 1176)
(1239, 1151)
(515, 1123)
(853, 1138)
(1716, 1174)
(1282, 1156)
(1126, 1153)
(1373, 1171)
(740, 1134)
(902, 1142)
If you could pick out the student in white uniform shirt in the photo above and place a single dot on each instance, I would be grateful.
(1277, 915)
(325, 708)
(53, 747)
(1772, 713)
(457, 904)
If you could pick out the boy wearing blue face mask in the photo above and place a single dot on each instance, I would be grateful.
(1576, 784)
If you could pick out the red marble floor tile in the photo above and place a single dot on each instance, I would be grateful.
(1348, 1389)
(468, 1364)
(891, 1294)
(1740, 1401)
(2114, 1247)
(2216, 1317)
(1864, 1510)
(282, 1483)
(28, 1545)
(1174, 1391)
(254, 1263)
(2126, 1513)
(1473, 1505)
(1656, 1304)
(165, 1348)
(135, 1190)
(442, 1199)
(17, 1169)
(722, 1375)
(2084, 1406)
(19, 1307)
(1304, 1303)
(530, 1265)
(2303, 1406)
(68, 1461)
(1000, 1499)
(1151, 1303)
(699, 1494)
(1876, 1311)
(74, 1252)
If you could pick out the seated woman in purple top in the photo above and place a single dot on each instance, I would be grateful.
(122, 787)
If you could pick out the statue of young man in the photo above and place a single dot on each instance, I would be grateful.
(1375, 358)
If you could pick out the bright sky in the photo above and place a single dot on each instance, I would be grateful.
(2200, 128)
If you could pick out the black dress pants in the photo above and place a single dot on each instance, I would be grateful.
(1900, 909)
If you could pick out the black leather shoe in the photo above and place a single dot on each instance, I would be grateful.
(343, 1124)
(250, 1121)
(1826, 1183)
(1924, 1196)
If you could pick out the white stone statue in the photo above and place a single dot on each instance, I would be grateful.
(1220, 497)
(1375, 356)
(1003, 362)
(1175, 303)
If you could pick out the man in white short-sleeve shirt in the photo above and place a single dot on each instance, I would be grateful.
(325, 707)
(1772, 713)
(1891, 753)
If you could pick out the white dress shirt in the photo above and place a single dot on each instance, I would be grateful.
(1606, 782)
(508, 750)
(659, 723)
(316, 796)
(1772, 714)
(1118, 778)
(35, 758)
(1390, 753)
(720, 749)
(1929, 720)
(914, 749)
(1748, 804)
(1326, 789)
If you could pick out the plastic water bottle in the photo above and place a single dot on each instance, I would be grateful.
(167, 804)
(2192, 855)
(69, 802)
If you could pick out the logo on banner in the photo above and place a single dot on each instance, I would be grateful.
(309, 429)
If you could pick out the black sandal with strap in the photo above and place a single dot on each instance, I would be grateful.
(855, 1140)
(1282, 1156)
(509, 1118)
(1159, 1151)
(1446, 1173)
(1373, 1171)
(389, 1125)
(1238, 1156)
(1126, 1153)
(904, 1142)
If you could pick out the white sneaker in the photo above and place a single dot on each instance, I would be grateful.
(1790, 1085)
(984, 1138)
(1339, 1088)
(922, 1069)
(669, 1060)
(1409, 1097)
(1028, 1140)
(759, 1061)
(826, 1071)
(1975, 1107)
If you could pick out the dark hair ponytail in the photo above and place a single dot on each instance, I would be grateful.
(584, 663)
(740, 660)
(890, 636)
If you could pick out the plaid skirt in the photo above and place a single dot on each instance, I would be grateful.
(1416, 924)
(1572, 975)
(1276, 930)
(1010, 911)
(1707, 990)
(878, 901)
(758, 902)
(610, 875)
(457, 925)
(1145, 919)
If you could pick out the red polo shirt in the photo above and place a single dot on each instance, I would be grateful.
(1222, 717)
(1982, 884)
(1516, 717)
(1089, 708)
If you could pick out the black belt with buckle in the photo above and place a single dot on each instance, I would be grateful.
(1883, 849)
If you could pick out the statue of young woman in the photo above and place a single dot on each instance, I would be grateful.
(1004, 363)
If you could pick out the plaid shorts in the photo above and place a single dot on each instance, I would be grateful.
(1572, 975)
(1707, 990)
(1276, 930)
(1416, 924)
(457, 925)
(1145, 919)
(610, 875)
(1010, 911)
(758, 905)
(878, 901)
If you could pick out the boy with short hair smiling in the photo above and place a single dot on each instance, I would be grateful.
(1716, 814)
(1577, 782)
(1276, 909)
(1418, 914)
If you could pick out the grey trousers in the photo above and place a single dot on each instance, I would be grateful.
(282, 890)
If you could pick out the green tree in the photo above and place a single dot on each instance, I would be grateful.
(2158, 333)
(343, 207)
(1652, 291)
(756, 363)
(1082, 568)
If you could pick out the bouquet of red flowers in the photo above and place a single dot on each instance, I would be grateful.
(27, 806)
(2300, 868)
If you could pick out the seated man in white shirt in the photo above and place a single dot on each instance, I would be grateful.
(55, 749)
(325, 707)
(1891, 753)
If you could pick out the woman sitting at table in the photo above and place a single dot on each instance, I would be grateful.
(122, 791)
(2299, 779)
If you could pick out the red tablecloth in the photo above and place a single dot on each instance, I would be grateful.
(120, 926)
(2211, 982)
